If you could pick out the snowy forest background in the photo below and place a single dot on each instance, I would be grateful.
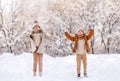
(55, 17)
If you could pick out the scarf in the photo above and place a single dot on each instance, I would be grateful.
(80, 36)
(36, 31)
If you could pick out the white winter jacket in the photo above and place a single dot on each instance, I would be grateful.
(41, 48)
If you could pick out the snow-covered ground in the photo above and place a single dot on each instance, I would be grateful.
(19, 68)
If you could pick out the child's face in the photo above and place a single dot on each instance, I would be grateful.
(80, 32)
(36, 23)
(37, 28)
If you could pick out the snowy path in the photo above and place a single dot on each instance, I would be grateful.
(19, 68)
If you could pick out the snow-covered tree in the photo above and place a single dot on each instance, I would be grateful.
(55, 18)
(109, 19)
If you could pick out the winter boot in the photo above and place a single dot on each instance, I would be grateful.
(40, 74)
(78, 75)
(85, 75)
(34, 74)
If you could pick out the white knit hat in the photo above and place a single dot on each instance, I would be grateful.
(81, 28)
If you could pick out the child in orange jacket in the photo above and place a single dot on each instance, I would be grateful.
(81, 47)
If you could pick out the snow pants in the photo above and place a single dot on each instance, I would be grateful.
(37, 60)
(83, 58)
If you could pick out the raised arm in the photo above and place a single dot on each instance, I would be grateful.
(91, 32)
(69, 36)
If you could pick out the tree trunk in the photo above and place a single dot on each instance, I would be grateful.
(108, 46)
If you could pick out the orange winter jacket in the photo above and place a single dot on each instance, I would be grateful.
(75, 40)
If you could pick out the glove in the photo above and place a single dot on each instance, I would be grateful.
(65, 30)
(36, 49)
